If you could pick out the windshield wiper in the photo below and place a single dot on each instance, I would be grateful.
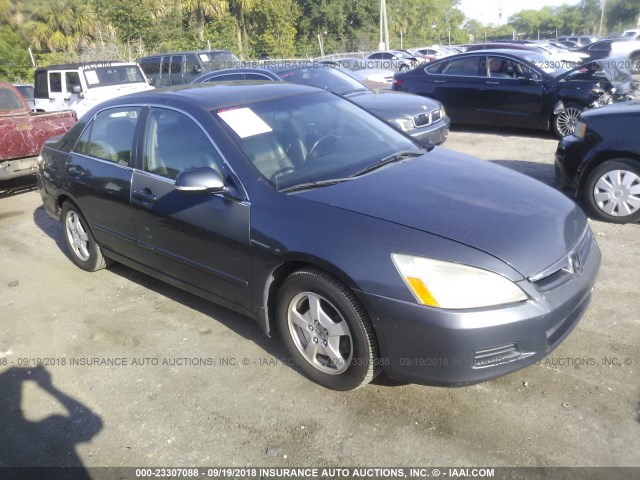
(319, 183)
(396, 157)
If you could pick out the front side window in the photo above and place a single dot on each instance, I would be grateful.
(173, 143)
(73, 80)
(55, 82)
(110, 134)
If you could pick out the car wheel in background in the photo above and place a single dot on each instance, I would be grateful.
(564, 123)
(82, 247)
(612, 191)
(326, 330)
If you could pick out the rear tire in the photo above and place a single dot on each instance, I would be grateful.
(612, 191)
(326, 330)
(82, 247)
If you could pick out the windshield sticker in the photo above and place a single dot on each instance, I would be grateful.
(204, 57)
(244, 122)
(92, 77)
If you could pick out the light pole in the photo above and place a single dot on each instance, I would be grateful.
(601, 18)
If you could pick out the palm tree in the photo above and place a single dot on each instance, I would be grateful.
(59, 24)
(238, 9)
(198, 10)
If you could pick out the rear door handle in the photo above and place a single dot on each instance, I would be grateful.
(492, 83)
(439, 81)
(145, 196)
(75, 170)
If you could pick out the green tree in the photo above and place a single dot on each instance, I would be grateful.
(59, 24)
(198, 11)
(621, 14)
(273, 28)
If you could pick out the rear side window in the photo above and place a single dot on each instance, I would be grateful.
(41, 90)
(110, 134)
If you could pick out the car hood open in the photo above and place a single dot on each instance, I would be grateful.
(517, 219)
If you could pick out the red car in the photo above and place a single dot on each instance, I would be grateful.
(23, 132)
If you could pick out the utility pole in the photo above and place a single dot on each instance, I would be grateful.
(601, 18)
(384, 28)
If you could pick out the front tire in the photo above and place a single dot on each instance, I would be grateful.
(564, 123)
(82, 247)
(326, 330)
(612, 191)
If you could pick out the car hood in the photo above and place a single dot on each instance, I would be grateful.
(517, 219)
(390, 105)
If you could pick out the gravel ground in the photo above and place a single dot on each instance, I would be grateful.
(169, 406)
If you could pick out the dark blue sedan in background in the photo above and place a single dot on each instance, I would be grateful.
(291, 205)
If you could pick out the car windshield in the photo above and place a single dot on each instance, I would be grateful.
(310, 138)
(113, 75)
(551, 65)
(218, 60)
(326, 77)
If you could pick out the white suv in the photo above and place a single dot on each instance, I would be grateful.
(79, 87)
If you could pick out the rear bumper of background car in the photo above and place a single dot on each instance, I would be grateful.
(433, 346)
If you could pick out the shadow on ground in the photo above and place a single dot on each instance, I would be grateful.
(50, 442)
(16, 186)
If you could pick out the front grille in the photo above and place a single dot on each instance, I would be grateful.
(422, 120)
(425, 119)
(567, 267)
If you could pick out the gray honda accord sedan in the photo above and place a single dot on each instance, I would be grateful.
(363, 249)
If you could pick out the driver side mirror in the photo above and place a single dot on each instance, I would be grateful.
(200, 180)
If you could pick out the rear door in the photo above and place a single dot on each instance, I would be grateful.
(458, 84)
(100, 170)
(201, 239)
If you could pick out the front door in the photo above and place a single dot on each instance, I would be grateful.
(201, 239)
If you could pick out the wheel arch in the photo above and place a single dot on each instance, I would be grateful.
(598, 160)
(273, 281)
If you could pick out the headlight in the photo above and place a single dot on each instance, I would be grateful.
(441, 284)
(405, 124)
(581, 129)
(442, 112)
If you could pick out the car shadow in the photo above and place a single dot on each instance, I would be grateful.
(242, 325)
(16, 186)
(505, 131)
(49, 442)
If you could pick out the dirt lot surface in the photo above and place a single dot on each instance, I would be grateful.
(199, 385)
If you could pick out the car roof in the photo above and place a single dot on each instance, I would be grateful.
(214, 96)
(83, 65)
(187, 51)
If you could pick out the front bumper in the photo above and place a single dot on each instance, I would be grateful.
(571, 155)
(435, 134)
(454, 348)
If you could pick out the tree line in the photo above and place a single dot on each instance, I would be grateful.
(60, 31)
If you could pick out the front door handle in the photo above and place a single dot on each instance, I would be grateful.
(145, 196)
(439, 81)
(492, 83)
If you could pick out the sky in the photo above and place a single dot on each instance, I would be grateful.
(486, 11)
